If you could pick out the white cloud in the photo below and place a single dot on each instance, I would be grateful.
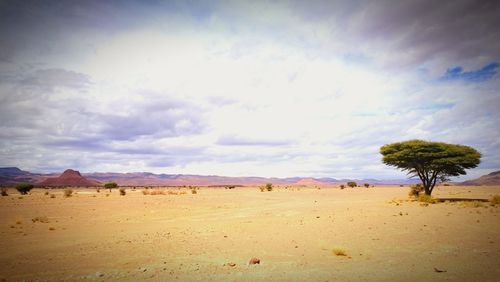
(247, 88)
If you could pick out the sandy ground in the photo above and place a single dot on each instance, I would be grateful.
(194, 237)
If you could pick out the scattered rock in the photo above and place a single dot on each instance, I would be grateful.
(231, 264)
(254, 261)
(438, 270)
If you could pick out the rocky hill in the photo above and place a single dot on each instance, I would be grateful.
(69, 178)
(488, 179)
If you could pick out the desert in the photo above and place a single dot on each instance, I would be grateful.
(298, 234)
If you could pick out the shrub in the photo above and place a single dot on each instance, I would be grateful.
(415, 190)
(122, 192)
(339, 252)
(4, 191)
(426, 199)
(193, 190)
(52, 196)
(98, 190)
(495, 199)
(352, 184)
(46, 193)
(68, 192)
(269, 187)
(231, 186)
(145, 192)
(262, 188)
(24, 188)
(342, 186)
(110, 185)
(41, 219)
(366, 185)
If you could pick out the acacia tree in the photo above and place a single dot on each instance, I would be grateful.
(110, 185)
(430, 161)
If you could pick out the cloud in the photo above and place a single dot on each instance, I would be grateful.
(242, 141)
(244, 88)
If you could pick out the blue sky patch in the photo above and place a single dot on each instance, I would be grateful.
(483, 74)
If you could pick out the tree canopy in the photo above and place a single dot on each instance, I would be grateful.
(430, 161)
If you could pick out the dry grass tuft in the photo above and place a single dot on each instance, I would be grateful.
(41, 219)
(52, 196)
(495, 200)
(339, 252)
(68, 192)
(122, 191)
(3, 191)
(423, 198)
(472, 204)
(415, 190)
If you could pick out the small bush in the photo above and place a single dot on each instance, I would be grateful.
(24, 188)
(495, 200)
(68, 192)
(46, 193)
(122, 192)
(426, 199)
(4, 191)
(98, 190)
(342, 186)
(415, 190)
(269, 187)
(339, 252)
(41, 219)
(262, 188)
(352, 184)
(52, 196)
(145, 192)
(366, 185)
(193, 191)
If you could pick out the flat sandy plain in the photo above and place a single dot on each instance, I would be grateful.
(195, 237)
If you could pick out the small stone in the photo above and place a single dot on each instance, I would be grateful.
(254, 261)
(231, 264)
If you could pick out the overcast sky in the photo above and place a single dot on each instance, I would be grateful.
(275, 88)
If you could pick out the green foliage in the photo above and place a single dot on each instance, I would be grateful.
(352, 184)
(430, 161)
(24, 188)
(110, 185)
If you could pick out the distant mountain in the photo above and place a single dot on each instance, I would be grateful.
(489, 179)
(69, 178)
(13, 175)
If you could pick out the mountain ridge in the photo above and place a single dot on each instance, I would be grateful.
(163, 179)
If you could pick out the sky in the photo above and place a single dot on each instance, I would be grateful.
(245, 88)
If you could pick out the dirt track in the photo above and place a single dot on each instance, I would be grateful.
(293, 232)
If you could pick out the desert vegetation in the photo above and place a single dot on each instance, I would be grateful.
(3, 191)
(24, 188)
(430, 161)
(110, 185)
(352, 184)
(68, 192)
